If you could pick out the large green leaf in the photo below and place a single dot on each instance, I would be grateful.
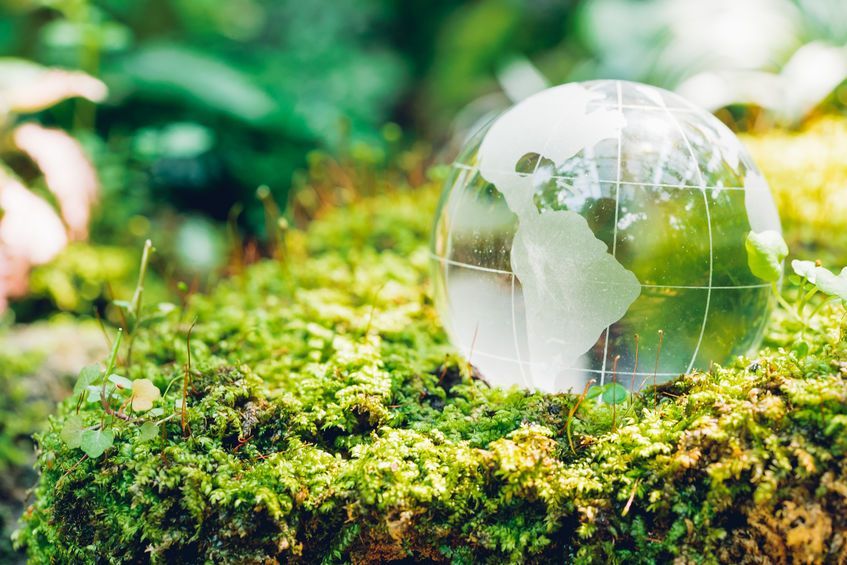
(173, 71)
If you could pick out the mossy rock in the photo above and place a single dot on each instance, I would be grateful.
(327, 420)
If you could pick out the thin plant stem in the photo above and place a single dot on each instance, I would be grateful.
(784, 303)
(573, 410)
(137, 296)
(634, 371)
(614, 391)
(656, 369)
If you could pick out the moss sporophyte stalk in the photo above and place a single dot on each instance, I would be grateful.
(324, 418)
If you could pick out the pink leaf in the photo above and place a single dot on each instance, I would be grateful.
(67, 171)
(32, 88)
(29, 228)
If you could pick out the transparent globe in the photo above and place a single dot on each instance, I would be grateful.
(596, 231)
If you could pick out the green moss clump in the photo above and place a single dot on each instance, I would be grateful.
(327, 420)
(22, 411)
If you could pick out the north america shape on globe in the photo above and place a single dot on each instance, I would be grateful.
(556, 254)
(588, 215)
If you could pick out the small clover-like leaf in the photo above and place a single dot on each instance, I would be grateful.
(144, 394)
(765, 252)
(831, 284)
(93, 392)
(148, 431)
(800, 349)
(87, 376)
(805, 269)
(95, 442)
(615, 393)
(72, 431)
(120, 382)
(594, 392)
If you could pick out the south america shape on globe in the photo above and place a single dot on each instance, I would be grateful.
(573, 287)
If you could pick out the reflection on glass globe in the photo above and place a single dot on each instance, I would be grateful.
(594, 227)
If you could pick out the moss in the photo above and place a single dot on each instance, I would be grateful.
(328, 420)
(21, 412)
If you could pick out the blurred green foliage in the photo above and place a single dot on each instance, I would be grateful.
(211, 99)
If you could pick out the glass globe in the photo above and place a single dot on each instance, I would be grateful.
(596, 231)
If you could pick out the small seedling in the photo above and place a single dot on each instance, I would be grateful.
(573, 410)
(765, 253)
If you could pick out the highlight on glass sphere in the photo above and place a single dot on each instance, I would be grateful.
(597, 230)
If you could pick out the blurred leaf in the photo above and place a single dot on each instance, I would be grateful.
(174, 71)
(29, 227)
(805, 269)
(831, 284)
(63, 34)
(800, 349)
(68, 173)
(87, 376)
(29, 87)
(180, 140)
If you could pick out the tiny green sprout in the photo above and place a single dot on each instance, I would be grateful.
(814, 278)
(765, 253)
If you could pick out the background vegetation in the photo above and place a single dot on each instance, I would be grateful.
(219, 129)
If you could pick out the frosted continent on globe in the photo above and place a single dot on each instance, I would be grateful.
(586, 219)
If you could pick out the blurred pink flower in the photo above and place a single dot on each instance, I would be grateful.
(29, 227)
(68, 173)
(30, 234)
(32, 88)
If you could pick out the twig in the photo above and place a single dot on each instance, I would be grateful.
(69, 471)
(634, 371)
(135, 303)
(631, 498)
(656, 369)
(614, 390)
(473, 345)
